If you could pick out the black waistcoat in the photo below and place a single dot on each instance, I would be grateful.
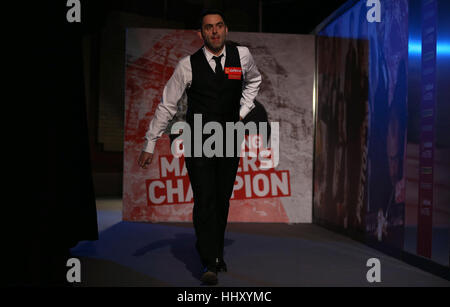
(217, 99)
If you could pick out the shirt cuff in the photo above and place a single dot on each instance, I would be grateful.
(244, 111)
(149, 146)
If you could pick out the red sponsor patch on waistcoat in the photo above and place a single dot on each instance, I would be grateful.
(234, 72)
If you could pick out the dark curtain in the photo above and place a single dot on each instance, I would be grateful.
(61, 210)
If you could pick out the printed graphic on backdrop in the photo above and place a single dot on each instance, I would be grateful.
(163, 191)
(342, 126)
(427, 123)
(428, 138)
(387, 96)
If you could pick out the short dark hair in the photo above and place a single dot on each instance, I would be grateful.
(209, 12)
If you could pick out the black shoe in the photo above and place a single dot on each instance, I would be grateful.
(221, 266)
(209, 277)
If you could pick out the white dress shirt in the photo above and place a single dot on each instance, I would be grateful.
(182, 80)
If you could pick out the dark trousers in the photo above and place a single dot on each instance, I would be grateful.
(212, 181)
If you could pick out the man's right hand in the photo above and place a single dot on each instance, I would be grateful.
(145, 159)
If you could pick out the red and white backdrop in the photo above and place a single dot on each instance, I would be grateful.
(162, 192)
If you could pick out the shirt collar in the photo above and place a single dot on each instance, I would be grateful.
(210, 55)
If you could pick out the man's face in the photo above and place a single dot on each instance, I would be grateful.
(214, 32)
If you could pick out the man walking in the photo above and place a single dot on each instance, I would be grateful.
(221, 82)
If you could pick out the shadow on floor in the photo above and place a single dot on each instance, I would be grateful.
(182, 247)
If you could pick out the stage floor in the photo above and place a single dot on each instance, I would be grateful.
(258, 255)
